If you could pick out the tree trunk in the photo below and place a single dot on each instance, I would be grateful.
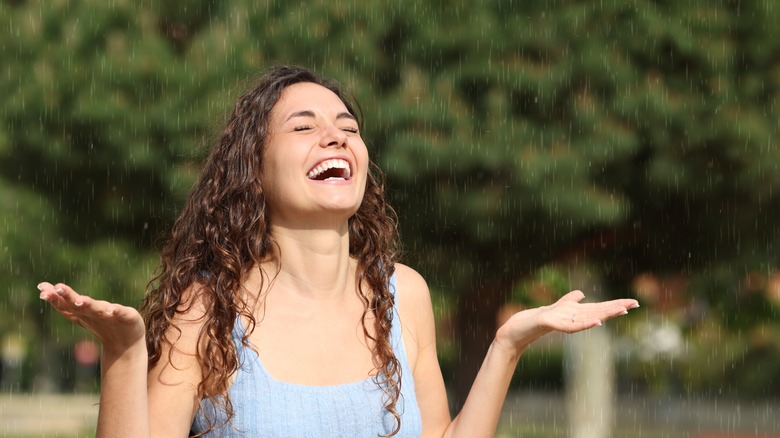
(589, 365)
(475, 328)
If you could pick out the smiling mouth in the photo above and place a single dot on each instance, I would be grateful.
(334, 169)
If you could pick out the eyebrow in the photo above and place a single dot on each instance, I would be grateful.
(308, 113)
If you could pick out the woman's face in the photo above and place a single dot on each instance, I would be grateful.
(315, 162)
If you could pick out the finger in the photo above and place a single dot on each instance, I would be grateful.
(630, 303)
(56, 294)
(63, 308)
(91, 314)
(67, 293)
(78, 307)
(89, 308)
(45, 286)
(622, 306)
(609, 309)
(81, 305)
(46, 290)
(68, 309)
(574, 296)
(65, 302)
(626, 303)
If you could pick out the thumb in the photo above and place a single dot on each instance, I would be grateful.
(575, 296)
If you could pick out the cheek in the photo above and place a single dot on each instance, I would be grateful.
(361, 155)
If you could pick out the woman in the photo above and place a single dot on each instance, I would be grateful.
(280, 309)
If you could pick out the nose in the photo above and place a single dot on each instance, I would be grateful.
(333, 137)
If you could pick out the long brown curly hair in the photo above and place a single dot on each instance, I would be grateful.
(223, 231)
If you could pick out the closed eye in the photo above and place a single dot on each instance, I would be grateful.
(301, 128)
(351, 130)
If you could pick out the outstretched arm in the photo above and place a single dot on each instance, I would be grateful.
(482, 409)
(134, 401)
(120, 329)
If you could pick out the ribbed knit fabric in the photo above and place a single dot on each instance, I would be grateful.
(266, 407)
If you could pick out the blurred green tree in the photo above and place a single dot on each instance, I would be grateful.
(99, 119)
(635, 136)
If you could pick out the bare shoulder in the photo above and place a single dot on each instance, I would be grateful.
(414, 307)
(412, 289)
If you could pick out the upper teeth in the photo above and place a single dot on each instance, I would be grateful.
(330, 164)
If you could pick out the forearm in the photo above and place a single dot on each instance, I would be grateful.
(482, 409)
(124, 408)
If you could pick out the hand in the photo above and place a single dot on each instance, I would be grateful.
(567, 315)
(117, 327)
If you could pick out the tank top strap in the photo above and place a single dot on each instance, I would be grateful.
(396, 337)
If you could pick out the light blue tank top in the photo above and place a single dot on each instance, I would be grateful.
(265, 407)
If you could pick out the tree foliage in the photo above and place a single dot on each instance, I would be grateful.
(640, 135)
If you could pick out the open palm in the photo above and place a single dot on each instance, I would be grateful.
(116, 326)
(568, 315)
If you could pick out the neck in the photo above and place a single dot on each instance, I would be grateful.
(311, 263)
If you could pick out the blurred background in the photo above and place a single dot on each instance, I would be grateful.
(625, 148)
